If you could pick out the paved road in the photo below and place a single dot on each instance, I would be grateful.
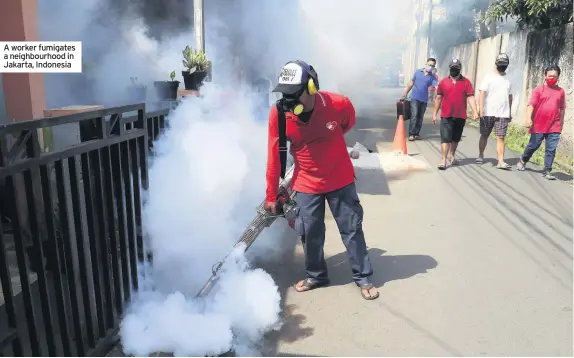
(471, 261)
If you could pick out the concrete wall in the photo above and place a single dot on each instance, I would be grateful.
(467, 54)
(530, 52)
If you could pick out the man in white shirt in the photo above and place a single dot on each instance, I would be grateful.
(495, 103)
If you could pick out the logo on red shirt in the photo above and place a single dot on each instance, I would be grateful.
(331, 125)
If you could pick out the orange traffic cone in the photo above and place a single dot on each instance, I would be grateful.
(400, 141)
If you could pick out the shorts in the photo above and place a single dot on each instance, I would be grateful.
(451, 129)
(499, 124)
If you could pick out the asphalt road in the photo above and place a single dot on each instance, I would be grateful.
(471, 261)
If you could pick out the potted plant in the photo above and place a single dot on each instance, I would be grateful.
(197, 65)
(167, 90)
(137, 91)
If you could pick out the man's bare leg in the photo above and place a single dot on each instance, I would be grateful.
(444, 151)
(482, 145)
(500, 150)
(453, 147)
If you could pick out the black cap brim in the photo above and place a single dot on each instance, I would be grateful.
(287, 89)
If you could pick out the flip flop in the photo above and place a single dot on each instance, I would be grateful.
(367, 287)
(441, 167)
(454, 162)
(309, 284)
(504, 166)
(479, 160)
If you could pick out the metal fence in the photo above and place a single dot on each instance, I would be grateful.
(71, 230)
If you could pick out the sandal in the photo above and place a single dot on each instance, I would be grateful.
(504, 166)
(454, 161)
(479, 160)
(441, 167)
(367, 287)
(309, 284)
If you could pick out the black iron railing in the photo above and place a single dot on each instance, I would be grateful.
(70, 235)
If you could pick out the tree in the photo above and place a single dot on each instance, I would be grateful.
(536, 14)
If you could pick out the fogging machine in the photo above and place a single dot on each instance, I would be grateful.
(263, 219)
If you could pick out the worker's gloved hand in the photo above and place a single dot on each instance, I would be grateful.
(271, 207)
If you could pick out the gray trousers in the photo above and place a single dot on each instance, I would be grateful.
(310, 225)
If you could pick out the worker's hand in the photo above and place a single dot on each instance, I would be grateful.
(271, 207)
(434, 118)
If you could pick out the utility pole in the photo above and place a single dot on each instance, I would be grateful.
(198, 26)
(429, 31)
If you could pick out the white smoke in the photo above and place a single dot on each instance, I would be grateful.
(196, 210)
(208, 171)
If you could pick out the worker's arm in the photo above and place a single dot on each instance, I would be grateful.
(562, 108)
(510, 98)
(437, 101)
(273, 161)
(410, 85)
(482, 91)
(471, 100)
(349, 117)
(481, 95)
(534, 101)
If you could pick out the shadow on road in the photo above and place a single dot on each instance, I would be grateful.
(372, 181)
(386, 268)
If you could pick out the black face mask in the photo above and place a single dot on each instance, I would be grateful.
(501, 68)
(290, 101)
(454, 72)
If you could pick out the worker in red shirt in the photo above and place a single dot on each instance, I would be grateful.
(453, 94)
(546, 112)
(315, 123)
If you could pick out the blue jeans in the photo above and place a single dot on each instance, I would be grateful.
(536, 139)
(310, 226)
(418, 109)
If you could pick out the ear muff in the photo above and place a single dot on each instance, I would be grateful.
(311, 87)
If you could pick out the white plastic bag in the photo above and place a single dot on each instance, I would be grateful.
(356, 151)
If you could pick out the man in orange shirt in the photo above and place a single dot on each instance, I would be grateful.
(315, 123)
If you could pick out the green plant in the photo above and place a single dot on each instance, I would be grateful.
(537, 14)
(172, 75)
(195, 60)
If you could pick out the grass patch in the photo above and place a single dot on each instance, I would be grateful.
(517, 138)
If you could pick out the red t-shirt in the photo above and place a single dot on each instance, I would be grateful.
(547, 102)
(454, 96)
(318, 147)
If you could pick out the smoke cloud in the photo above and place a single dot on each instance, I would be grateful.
(207, 173)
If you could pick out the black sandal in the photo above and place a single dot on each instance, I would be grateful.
(367, 287)
(309, 284)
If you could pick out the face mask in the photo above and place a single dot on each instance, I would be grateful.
(551, 81)
(429, 69)
(501, 68)
(454, 72)
(291, 102)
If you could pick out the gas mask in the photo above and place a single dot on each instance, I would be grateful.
(291, 103)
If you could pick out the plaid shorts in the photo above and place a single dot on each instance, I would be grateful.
(500, 126)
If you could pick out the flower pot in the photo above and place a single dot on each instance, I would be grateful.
(137, 94)
(194, 80)
(166, 90)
